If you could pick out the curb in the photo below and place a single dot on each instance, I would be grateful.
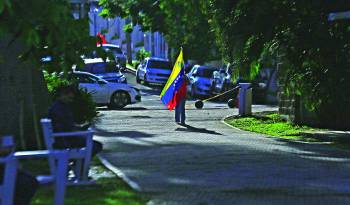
(119, 173)
(330, 136)
(130, 70)
(223, 121)
(314, 135)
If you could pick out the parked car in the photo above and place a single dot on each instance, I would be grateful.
(108, 70)
(221, 82)
(188, 67)
(115, 95)
(153, 70)
(118, 54)
(200, 81)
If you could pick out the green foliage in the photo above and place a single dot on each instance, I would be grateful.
(53, 81)
(51, 31)
(115, 37)
(183, 23)
(314, 51)
(139, 44)
(128, 28)
(83, 106)
(108, 190)
(272, 124)
(142, 54)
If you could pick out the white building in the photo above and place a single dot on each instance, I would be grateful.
(113, 31)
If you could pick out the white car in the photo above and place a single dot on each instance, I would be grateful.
(153, 70)
(115, 95)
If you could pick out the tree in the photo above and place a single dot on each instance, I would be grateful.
(183, 22)
(29, 31)
(315, 51)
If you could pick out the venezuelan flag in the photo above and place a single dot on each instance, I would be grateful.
(175, 89)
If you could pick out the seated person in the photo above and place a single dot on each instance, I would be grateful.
(63, 121)
(26, 184)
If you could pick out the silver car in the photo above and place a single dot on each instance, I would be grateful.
(115, 95)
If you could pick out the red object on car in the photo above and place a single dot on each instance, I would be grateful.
(101, 39)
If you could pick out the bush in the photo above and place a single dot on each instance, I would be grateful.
(142, 54)
(83, 106)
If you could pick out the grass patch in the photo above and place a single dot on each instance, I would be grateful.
(271, 124)
(109, 189)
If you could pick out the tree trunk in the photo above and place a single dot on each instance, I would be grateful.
(23, 96)
(128, 47)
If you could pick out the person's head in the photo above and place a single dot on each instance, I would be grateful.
(65, 93)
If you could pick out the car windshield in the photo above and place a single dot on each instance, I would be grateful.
(99, 68)
(159, 64)
(115, 50)
(206, 73)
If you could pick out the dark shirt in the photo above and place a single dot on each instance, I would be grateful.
(61, 116)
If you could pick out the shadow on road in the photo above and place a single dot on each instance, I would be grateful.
(124, 109)
(131, 134)
(189, 128)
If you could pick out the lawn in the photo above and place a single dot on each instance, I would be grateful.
(271, 124)
(109, 189)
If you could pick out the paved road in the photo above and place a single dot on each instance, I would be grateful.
(207, 162)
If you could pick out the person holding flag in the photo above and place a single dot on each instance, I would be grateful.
(173, 94)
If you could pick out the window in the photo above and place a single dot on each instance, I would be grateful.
(114, 50)
(85, 78)
(206, 73)
(99, 68)
(159, 64)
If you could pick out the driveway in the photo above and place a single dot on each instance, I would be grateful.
(208, 162)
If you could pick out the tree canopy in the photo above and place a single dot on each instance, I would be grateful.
(314, 50)
(183, 23)
(47, 28)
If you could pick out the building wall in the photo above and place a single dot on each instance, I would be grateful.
(153, 42)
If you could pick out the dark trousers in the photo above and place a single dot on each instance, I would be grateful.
(26, 186)
(180, 115)
(77, 142)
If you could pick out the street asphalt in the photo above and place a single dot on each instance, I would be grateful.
(208, 162)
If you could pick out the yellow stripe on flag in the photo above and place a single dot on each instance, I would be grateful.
(176, 70)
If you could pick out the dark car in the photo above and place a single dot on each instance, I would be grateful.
(222, 83)
(118, 54)
(200, 80)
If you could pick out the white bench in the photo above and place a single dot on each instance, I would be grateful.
(81, 156)
(56, 176)
(58, 171)
(7, 188)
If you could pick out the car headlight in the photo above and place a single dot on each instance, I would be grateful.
(122, 79)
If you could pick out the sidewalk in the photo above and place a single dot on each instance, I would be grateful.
(208, 162)
(130, 68)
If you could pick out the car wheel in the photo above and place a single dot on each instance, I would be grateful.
(119, 100)
(145, 82)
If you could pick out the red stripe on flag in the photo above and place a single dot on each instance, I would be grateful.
(178, 96)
